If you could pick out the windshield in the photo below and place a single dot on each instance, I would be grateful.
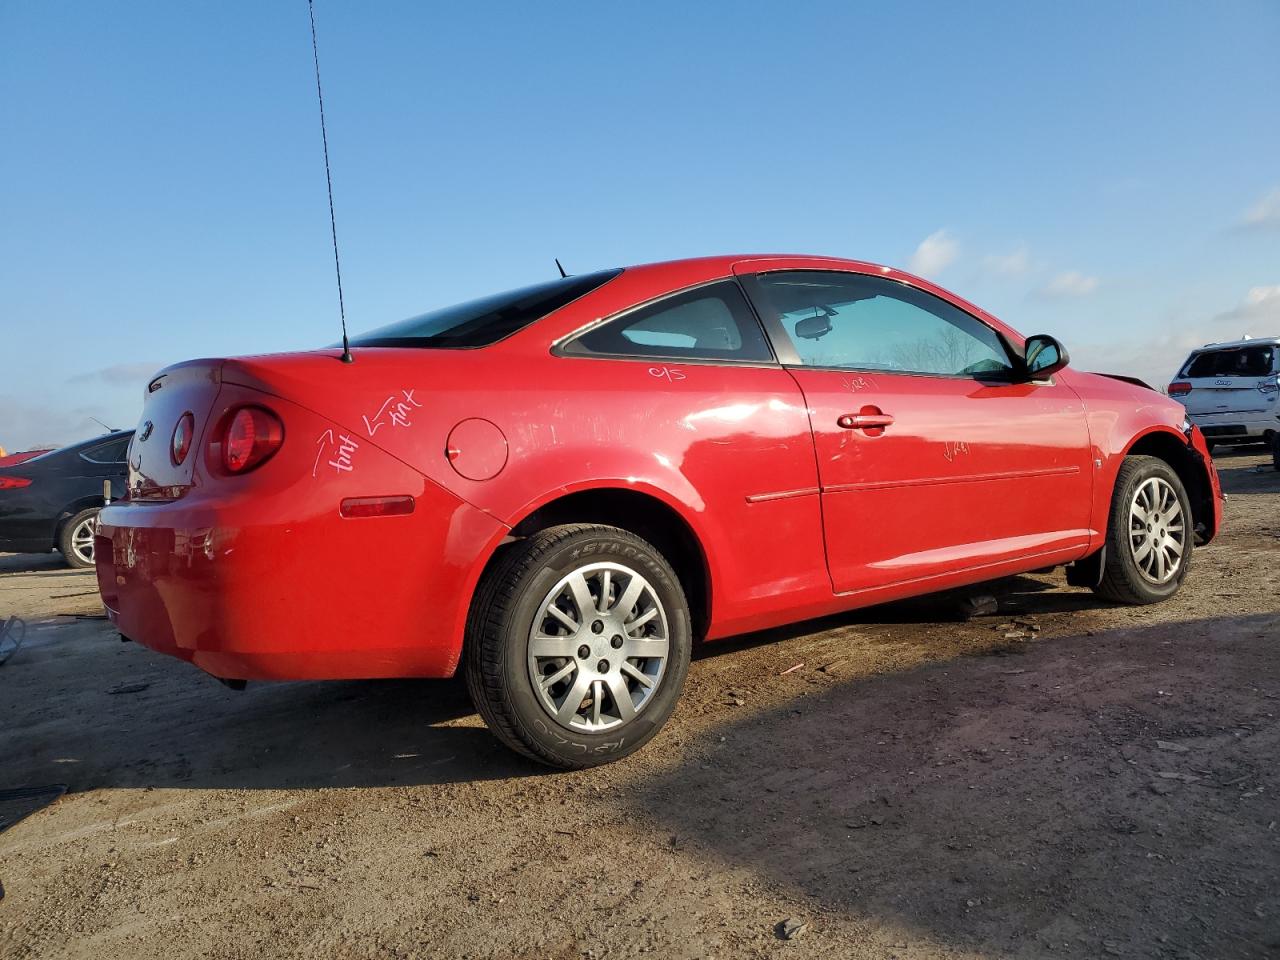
(1239, 362)
(478, 323)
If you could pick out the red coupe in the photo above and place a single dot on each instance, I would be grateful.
(558, 489)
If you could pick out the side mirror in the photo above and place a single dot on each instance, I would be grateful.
(1043, 356)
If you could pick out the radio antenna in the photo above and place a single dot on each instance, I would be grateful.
(328, 179)
(562, 273)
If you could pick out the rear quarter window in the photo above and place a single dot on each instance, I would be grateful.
(114, 451)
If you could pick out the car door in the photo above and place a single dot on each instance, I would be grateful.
(934, 460)
(683, 394)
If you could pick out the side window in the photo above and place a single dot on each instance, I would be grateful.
(871, 323)
(713, 322)
(113, 452)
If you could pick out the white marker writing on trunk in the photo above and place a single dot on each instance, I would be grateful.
(341, 459)
(396, 412)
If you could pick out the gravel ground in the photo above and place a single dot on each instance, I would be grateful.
(918, 787)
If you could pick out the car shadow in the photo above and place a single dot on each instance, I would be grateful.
(1101, 794)
(49, 563)
(162, 724)
(123, 716)
(1015, 596)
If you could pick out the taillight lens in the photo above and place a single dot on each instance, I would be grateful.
(181, 443)
(250, 438)
(13, 483)
(1179, 389)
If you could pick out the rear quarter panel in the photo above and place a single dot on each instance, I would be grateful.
(715, 443)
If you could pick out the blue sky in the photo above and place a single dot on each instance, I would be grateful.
(1109, 173)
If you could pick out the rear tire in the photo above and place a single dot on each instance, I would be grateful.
(1150, 532)
(1275, 451)
(577, 645)
(75, 539)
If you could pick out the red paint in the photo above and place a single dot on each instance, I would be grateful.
(935, 483)
(15, 458)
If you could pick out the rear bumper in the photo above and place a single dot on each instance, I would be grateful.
(280, 587)
(1238, 427)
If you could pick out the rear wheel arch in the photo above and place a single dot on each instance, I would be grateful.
(70, 510)
(648, 517)
(1189, 465)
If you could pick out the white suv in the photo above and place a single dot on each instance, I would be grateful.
(1232, 390)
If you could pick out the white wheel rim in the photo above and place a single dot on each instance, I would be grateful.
(598, 647)
(1157, 531)
(82, 540)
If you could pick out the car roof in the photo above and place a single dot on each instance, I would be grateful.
(80, 445)
(1244, 342)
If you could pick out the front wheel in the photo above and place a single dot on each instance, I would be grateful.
(75, 540)
(1149, 534)
(577, 645)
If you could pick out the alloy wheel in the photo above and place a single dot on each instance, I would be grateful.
(82, 540)
(1157, 530)
(598, 647)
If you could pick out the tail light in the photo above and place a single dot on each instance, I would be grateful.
(1179, 389)
(249, 438)
(13, 483)
(181, 442)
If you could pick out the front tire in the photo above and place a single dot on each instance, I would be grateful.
(75, 539)
(1150, 533)
(577, 645)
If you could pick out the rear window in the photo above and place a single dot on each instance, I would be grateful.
(478, 323)
(1239, 362)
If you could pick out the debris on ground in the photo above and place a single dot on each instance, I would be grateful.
(136, 686)
(1171, 747)
(979, 605)
(791, 669)
(12, 633)
(790, 929)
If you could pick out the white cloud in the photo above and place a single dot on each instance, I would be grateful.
(121, 374)
(1264, 213)
(1157, 358)
(935, 253)
(1258, 315)
(1070, 284)
(1008, 264)
(28, 426)
(1154, 359)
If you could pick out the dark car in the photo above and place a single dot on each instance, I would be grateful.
(52, 500)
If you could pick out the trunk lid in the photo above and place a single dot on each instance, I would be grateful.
(190, 387)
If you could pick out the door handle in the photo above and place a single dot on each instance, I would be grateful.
(864, 421)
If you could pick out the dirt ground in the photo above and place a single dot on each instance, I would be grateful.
(919, 787)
